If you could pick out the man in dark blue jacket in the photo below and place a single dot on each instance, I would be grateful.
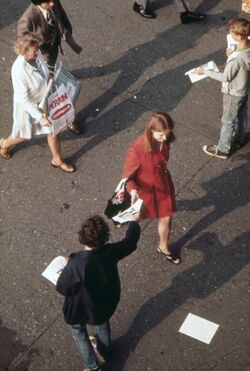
(91, 285)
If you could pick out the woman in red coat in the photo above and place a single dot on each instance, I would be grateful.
(149, 179)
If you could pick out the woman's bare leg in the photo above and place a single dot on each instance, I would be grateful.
(5, 145)
(55, 148)
(164, 229)
(10, 142)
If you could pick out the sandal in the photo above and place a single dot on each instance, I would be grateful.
(169, 257)
(64, 167)
(4, 152)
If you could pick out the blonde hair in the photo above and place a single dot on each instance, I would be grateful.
(24, 42)
(240, 27)
(160, 121)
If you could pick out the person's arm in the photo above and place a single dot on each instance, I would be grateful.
(65, 28)
(64, 18)
(131, 166)
(212, 74)
(231, 70)
(67, 284)
(227, 75)
(128, 244)
(21, 91)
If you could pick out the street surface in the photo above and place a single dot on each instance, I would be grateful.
(128, 68)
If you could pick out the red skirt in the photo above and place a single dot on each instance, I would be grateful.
(157, 203)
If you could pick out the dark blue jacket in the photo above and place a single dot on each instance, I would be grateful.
(90, 281)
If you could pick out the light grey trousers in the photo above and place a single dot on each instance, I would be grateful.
(181, 4)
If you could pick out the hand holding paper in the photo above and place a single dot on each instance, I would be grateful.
(199, 71)
(54, 269)
(130, 214)
(194, 76)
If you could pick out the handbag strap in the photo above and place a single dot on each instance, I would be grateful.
(121, 186)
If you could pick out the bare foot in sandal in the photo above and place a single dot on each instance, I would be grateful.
(4, 151)
(67, 168)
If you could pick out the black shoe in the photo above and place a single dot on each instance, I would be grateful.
(189, 17)
(74, 129)
(143, 12)
(212, 150)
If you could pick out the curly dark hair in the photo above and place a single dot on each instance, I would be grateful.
(94, 232)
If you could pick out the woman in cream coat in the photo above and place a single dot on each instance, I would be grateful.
(29, 78)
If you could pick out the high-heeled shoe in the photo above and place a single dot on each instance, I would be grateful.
(169, 257)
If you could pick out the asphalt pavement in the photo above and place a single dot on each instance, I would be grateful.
(129, 67)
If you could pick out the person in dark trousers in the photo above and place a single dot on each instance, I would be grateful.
(186, 16)
(49, 22)
(91, 286)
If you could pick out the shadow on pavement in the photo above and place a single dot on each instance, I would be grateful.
(220, 263)
(160, 93)
(11, 10)
(225, 193)
(132, 65)
(10, 349)
(204, 6)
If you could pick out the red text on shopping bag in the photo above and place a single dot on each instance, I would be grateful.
(60, 109)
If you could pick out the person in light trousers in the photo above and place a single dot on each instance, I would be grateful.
(235, 88)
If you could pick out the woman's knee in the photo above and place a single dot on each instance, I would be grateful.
(166, 220)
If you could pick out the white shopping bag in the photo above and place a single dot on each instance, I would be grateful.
(72, 85)
(60, 109)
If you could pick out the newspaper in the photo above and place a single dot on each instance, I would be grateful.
(126, 215)
(210, 66)
(54, 269)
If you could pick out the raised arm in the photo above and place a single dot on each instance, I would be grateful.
(128, 244)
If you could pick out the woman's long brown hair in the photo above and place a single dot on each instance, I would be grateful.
(160, 121)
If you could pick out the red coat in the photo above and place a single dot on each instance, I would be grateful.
(151, 178)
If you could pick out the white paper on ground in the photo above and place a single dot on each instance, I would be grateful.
(210, 66)
(54, 269)
(199, 328)
(125, 216)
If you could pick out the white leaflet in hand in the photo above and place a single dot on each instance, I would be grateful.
(126, 215)
(210, 66)
(54, 269)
